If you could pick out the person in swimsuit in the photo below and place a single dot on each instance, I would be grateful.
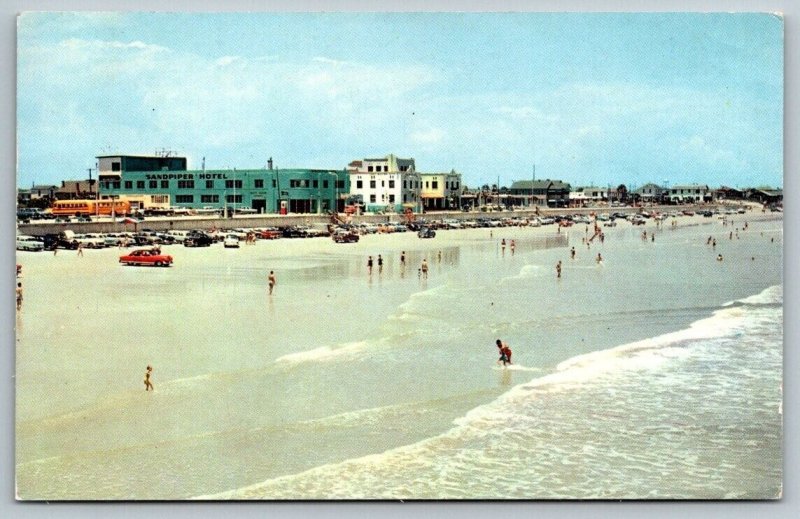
(505, 352)
(148, 386)
(272, 281)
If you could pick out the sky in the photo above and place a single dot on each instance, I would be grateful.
(590, 99)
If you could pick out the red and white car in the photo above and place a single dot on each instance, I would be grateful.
(146, 257)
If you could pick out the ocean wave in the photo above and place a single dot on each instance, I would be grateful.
(324, 353)
(769, 296)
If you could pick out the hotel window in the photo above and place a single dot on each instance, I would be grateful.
(359, 184)
(340, 184)
(324, 184)
(369, 168)
(153, 184)
(386, 168)
(165, 184)
(304, 182)
(209, 184)
(391, 184)
(229, 184)
(435, 184)
(274, 183)
(391, 199)
(160, 199)
(185, 184)
(258, 183)
(116, 185)
(184, 199)
(315, 184)
(140, 184)
(128, 184)
(372, 184)
(372, 198)
(116, 166)
(427, 184)
(209, 199)
(234, 199)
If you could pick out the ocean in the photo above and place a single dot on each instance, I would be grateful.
(654, 374)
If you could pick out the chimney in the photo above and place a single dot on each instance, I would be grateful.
(269, 163)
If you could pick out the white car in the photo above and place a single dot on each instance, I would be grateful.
(29, 243)
(231, 241)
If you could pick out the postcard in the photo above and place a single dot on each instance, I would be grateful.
(399, 256)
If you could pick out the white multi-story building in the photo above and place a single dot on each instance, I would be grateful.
(386, 184)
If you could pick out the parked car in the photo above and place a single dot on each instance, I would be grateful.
(146, 257)
(268, 234)
(345, 237)
(231, 241)
(198, 239)
(426, 232)
(29, 243)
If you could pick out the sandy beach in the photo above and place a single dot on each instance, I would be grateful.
(339, 364)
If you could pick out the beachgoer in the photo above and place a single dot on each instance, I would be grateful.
(730, 236)
(503, 245)
(513, 246)
(505, 352)
(653, 237)
(369, 265)
(148, 386)
(572, 253)
(714, 244)
(380, 264)
(439, 257)
(719, 257)
(403, 258)
(424, 268)
(80, 249)
(272, 281)
(19, 296)
(599, 258)
(55, 249)
(558, 269)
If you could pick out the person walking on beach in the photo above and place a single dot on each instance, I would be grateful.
(439, 257)
(369, 265)
(272, 281)
(513, 246)
(503, 246)
(558, 269)
(80, 249)
(572, 253)
(19, 296)
(148, 386)
(403, 259)
(380, 264)
(424, 268)
(599, 258)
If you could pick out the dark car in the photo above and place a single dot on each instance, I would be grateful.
(426, 232)
(345, 237)
(198, 239)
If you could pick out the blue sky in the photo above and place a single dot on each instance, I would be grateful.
(588, 98)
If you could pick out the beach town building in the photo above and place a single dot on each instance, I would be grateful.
(766, 195)
(164, 182)
(42, 191)
(588, 196)
(729, 193)
(650, 193)
(690, 193)
(549, 193)
(440, 190)
(76, 190)
(387, 184)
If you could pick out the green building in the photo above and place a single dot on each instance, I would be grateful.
(157, 183)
